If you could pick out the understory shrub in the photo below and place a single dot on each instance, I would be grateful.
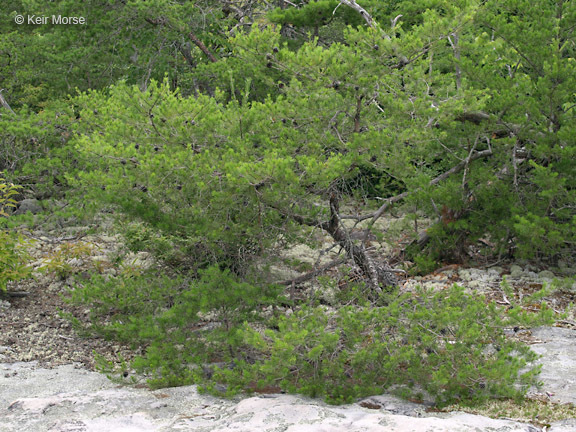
(450, 344)
(229, 337)
(13, 258)
(183, 324)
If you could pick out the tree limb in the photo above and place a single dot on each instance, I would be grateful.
(378, 275)
(360, 10)
(4, 103)
(163, 21)
(389, 201)
(307, 276)
(202, 47)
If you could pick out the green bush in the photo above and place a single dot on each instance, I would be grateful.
(224, 335)
(13, 259)
(449, 343)
(182, 323)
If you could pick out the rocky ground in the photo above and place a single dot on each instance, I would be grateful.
(48, 383)
(34, 325)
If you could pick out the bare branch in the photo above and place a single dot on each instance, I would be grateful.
(4, 103)
(395, 20)
(202, 47)
(307, 276)
(389, 201)
(360, 10)
(290, 3)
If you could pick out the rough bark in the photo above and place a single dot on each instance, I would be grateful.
(378, 275)
(202, 47)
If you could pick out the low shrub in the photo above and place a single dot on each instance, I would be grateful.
(450, 344)
(228, 336)
(13, 258)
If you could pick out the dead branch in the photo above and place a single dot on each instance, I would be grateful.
(4, 103)
(310, 275)
(360, 10)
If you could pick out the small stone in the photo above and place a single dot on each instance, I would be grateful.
(28, 205)
(516, 271)
(75, 262)
(546, 274)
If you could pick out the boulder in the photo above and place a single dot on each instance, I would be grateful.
(28, 205)
(67, 398)
(557, 348)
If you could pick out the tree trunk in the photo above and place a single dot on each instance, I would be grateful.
(379, 275)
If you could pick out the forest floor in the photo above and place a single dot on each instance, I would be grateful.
(36, 326)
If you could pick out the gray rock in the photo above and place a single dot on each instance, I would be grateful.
(568, 425)
(557, 346)
(70, 399)
(67, 399)
(516, 271)
(546, 274)
(28, 205)
(393, 405)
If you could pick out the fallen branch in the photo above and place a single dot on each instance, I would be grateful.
(310, 275)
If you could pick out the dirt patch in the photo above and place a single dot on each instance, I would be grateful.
(34, 326)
